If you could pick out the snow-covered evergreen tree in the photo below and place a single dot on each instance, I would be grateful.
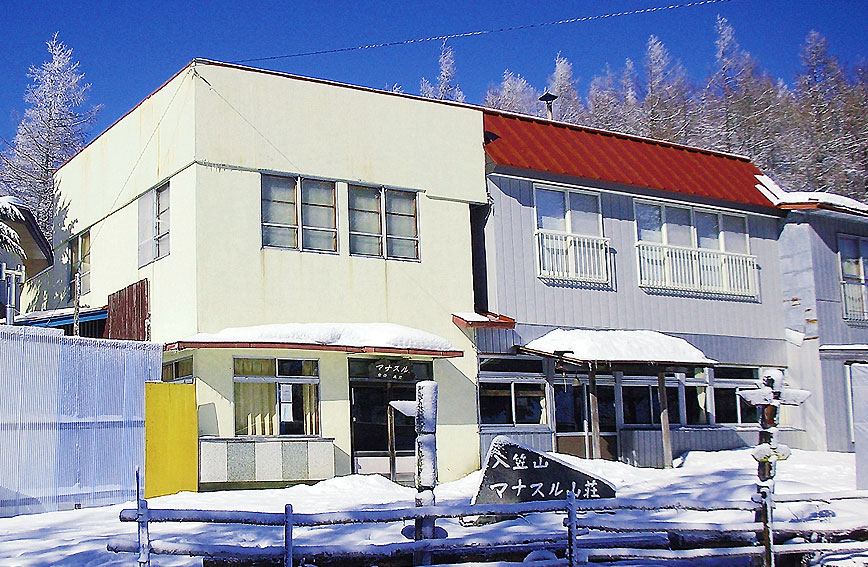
(667, 107)
(447, 84)
(52, 129)
(514, 94)
(8, 237)
(568, 107)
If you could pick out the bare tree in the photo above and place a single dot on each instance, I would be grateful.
(667, 111)
(568, 107)
(514, 94)
(9, 238)
(447, 84)
(51, 131)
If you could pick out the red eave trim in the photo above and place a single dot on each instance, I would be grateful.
(494, 321)
(181, 345)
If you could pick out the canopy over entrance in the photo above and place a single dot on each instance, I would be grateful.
(387, 338)
(631, 347)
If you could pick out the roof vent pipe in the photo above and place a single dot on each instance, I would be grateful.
(548, 98)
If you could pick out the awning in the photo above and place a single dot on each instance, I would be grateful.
(602, 346)
(483, 320)
(380, 338)
(60, 317)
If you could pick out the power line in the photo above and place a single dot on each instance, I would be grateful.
(483, 32)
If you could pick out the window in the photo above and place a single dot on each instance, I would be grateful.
(276, 396)
(280, 215)
(512, 403)
(79, 263)
(154, 225)
(569, 238)
(642, 404)
(178, 371)
(728, 405)
(368, 217)
(681, 248)
(853, 254)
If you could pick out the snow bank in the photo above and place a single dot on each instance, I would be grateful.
(622, 346)
(387, 335)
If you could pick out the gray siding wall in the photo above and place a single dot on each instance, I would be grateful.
(516, 291)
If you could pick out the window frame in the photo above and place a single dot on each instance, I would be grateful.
(861, 280)
(278, 379)
(155, 239)
(77, 260)
(297, 182)
(384, 236)
(176, 377)
(694, 210)
(513, 377)
(568, 215)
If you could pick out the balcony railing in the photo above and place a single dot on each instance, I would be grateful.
(697, 270)
(570, 257)
(855, 299)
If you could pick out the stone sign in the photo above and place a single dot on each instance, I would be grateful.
(516, 473)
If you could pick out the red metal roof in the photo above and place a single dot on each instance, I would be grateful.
(541, 145)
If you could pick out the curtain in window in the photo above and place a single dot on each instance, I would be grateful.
(256, 409)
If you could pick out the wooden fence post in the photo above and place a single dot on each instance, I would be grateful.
(287, 536)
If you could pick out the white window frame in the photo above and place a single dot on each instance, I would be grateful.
(277, 380)
(154, 236)
(76, 256)
(513, 378)
(566, 191)
(300, 227)
(694, 237)
(847, 281)
(384, 235)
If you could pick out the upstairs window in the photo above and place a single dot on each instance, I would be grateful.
(569, 240)
(79, 263)
(154, 225)
(281, 220)
(368, 218)
(853, 254)
(682, 248)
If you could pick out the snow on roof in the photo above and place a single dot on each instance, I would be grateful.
(358, 335)
(818, 199)
(619, 346)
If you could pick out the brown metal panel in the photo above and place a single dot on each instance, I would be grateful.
(129, 315)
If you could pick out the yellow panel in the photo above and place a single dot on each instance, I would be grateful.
(171, 439)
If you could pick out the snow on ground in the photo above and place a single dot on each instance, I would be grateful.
(77, 538)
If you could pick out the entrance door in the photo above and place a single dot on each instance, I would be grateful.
(372, 437)
(573, 420)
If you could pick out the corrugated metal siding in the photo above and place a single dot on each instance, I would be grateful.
(644, 447)
(835, 402)
(129, 313)
(538, 145)
(71, 419)
(522, 295)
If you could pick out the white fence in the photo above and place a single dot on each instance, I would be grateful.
(571, 257)
(697, 270)
(649, 539)
(71, 419)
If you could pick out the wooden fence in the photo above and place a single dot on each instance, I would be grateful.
(576, 545)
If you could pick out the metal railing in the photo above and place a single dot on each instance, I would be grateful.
(697, 270)
(571, 257)
(855, 300)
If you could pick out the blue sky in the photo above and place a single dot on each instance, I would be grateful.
(129, 49)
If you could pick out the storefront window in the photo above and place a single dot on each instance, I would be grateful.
(276, 396)
(512, 403)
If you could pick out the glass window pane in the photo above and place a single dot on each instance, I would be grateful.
(298, 409)
(637, 405)
(679, 231)
(256, 411)
(649, 223)
(369, 420)
(749, 413)
(606, 408)
(254, 367)
(724, 405)
(316, 192)
(695, 397)
(276, 188)
(279, 236)
(402, 248)
(400, 225)
(185, 368)
(364, 198)
(402, 202)
(495, 404)
(672, 404)
(530, 403)
(734, 234)
(319, 240)
(278, 212)
(317, 216)
(849, 249)
(569, 409)
(550, 210)
(707, 233)
(366, 245)
(584, 214)
(364, 221)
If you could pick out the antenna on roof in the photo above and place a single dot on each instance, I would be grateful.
(548, 98)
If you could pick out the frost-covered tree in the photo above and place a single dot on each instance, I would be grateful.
(447, 84)
(613, 100)
(667, 112)
(514, 94)
(52, 129)
(568, 107)
(827, 152)
(8, 237)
